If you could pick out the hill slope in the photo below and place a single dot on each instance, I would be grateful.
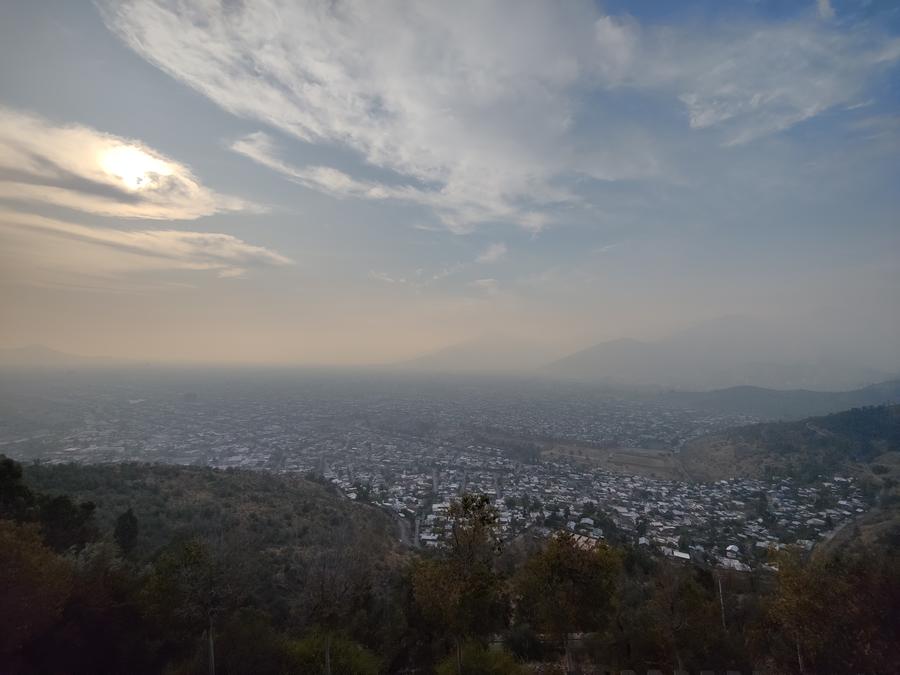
(276, 514)
(861, 441)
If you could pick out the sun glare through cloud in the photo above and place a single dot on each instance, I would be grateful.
(137, 169)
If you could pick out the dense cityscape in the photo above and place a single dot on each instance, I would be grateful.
(557, 458)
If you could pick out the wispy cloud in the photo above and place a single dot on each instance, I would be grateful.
(826, 11)
(489, 286)
(492, 253)
(84, 169)
(115, 253)
(486, 111)
(457, 212)
(386, 278)
(752, 83)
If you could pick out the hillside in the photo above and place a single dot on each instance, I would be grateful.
(245, 597)
(864, 441)
(776, 404)
(274, 513)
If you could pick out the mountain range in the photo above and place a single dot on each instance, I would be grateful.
(725, 352)
(40, 356)
(717, 354)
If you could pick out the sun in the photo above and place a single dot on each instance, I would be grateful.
(133, 166)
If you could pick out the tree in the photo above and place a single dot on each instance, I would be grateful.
(126, 531)
(684, 617)
(101, 629)
(474, 530)
(16, 500)
(641, 526)
(565, 588)
(250, 644)
(66, 524)
(34, 585)
(834, 613)
(189, 588)
(461, 593)
(336, 585)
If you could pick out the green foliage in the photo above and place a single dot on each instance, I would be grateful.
(462, 593)
(474, 535)
(16, 499)
(64, 523)
(565, 588)
(476, 660)
(236, 566)
(279, 513)
(249, 643)
(685, 619)
(461, 600)
(34, 585)
(523, 642)
(126, 532)
(347, 657)
(835, 614)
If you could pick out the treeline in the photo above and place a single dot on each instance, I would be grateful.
(81, 591)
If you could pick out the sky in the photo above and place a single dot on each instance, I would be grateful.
(348, 182)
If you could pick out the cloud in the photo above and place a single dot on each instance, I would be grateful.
(606, 248)
(492, 253)
(386, 278)
(260, 147)
(470, 107)
(457, 212)
(752, 83)
(80, 168)
(113, 253)
(826, 11)
(489, 286)
(490, 112)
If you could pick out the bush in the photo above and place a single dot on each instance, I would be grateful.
(476, 660)
(524, 643)
(347, 657)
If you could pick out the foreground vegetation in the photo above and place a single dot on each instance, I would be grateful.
(146, 569)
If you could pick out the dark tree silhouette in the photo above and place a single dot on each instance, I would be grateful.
(126, 532)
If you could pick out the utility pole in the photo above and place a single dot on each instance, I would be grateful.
(721, 599)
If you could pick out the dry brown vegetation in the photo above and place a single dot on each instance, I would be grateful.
(661, 464)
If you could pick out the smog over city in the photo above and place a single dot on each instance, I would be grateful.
(425, 337)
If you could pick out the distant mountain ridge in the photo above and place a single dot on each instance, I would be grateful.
(781, 404)
(41, 356)
(491, 354)
(726, 352)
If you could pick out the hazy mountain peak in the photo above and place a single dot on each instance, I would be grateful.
(40, 355)
(489, 353)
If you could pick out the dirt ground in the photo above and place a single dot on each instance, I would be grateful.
(661, 464)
